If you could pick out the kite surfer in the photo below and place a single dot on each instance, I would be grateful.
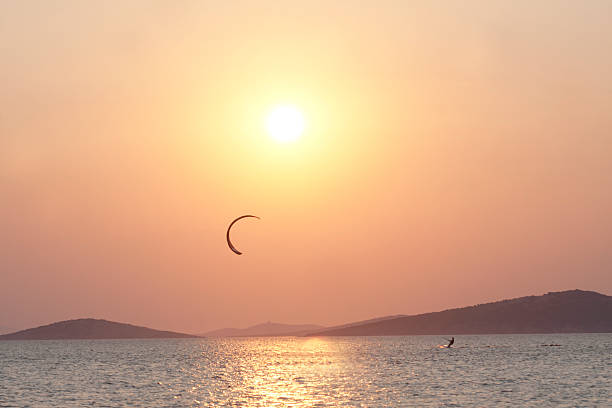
(450, 342)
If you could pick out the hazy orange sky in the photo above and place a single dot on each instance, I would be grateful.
(455, 153)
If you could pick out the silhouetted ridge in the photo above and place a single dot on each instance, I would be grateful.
(573, 311)
(91, 329)
(266, 329)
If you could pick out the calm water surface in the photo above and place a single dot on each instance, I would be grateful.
(342, 371)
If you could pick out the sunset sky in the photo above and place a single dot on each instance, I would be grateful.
(453, 153)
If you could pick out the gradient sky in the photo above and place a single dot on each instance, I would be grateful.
(455, 153)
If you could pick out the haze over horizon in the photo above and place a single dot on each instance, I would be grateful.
(454, 153)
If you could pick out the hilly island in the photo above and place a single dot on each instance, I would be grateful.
(91, 329)
(573, 311)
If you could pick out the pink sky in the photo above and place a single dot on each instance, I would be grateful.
(456, 153)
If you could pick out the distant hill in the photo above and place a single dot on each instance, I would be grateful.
(573, 311)
(91, 329)
(363, 322)
(266, 329)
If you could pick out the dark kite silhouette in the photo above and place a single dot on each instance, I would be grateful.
(227, 235)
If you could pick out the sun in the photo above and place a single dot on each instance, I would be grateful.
(285, 123)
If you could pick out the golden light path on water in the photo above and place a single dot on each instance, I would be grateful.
(282, 382)
(281, 373)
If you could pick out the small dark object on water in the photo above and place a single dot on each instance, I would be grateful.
(550, 345)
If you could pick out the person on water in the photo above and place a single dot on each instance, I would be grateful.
(450, 342)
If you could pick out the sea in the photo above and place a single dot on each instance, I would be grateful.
(547, 370)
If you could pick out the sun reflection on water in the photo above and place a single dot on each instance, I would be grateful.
(287, 373)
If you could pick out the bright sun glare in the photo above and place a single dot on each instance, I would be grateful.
(285, 123)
